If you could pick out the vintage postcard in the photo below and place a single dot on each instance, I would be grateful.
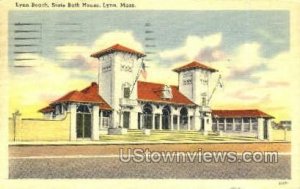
(150, 94)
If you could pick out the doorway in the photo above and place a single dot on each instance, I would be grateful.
(166, 117)
(83, 122)
(126, 119)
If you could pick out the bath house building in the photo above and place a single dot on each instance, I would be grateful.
(119, 101)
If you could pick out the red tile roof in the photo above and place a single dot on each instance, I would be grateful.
(152, 92)
(89, 95)
(194, 65)
(117, 48)
(92, 90)
(46, 109)
(240, 113)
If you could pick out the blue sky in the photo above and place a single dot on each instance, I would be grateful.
(170, 27)
(247, 47)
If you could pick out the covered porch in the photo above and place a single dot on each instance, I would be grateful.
(166, 117)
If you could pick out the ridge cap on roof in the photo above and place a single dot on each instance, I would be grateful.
(152, 82)
(237, 109)
(185, 66)
(117, 45)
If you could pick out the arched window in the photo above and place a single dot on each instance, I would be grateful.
(166, 117)
(83, 109)
(183, 116)
(147, 116)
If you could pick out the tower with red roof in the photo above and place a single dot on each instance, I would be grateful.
(194, 80)
(119, 67)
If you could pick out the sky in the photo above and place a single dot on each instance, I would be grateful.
(49, 53)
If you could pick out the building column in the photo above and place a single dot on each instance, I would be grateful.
(141, 121)
(153, 122)
(121, 119)
(178, 122)
(171, 122)
(114, 119)
(250, 125)
(160, 121)
(188, 123)
(17, 126)
(95, 121)
(260, 128)
(73, 110)
(242, 125)
(133, 120)
(269, 125)
(100, 119)
(197, 120)
(233, 124)
(207, 123)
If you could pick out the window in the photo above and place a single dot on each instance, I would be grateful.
(214, 124)
(203, 101)
(221, 124)
(183, 116)
(126, 92)
(238, 124)
(175, 119)
(58, 109)
(246, 122)
(84, 108)
(106, 113)
(254, 124)
(229, 122)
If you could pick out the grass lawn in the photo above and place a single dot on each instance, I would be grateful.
(138, 136)
(182, 136)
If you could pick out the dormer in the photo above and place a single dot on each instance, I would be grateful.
(167, 92)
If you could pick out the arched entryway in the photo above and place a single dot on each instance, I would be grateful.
(83, 121)
(166, 117)
(183, 118)
(147, 116)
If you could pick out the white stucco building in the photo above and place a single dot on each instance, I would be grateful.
(121, 101)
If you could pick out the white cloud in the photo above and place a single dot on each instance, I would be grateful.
(267, 83)
(32, 88)
(78, 56)
(192, 47)
(125, 38)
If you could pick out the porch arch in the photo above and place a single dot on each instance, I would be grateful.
(147, 116)
(183, 118)
(166, 117)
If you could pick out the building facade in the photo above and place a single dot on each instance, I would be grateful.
(120, 100)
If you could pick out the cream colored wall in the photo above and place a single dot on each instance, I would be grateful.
(11, 129)
(40, 129)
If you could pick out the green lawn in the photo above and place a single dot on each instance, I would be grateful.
(138, 136)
